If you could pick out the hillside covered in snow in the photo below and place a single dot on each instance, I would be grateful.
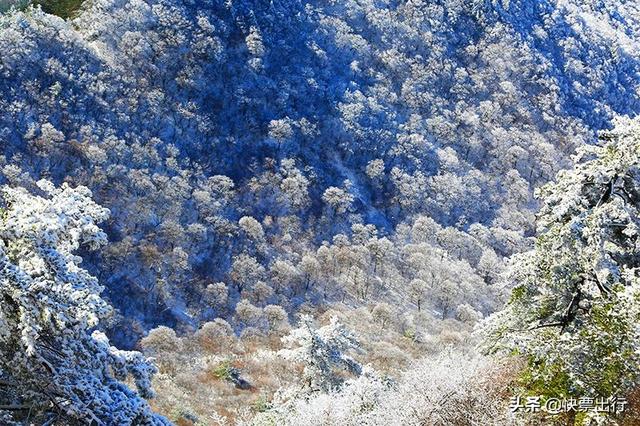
(360, 174)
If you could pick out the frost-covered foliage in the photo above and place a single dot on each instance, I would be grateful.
(574, 311)
(448, 389)
(266, 159)
(322, 351)
(52, 366)
(194, 121)
(193, 382)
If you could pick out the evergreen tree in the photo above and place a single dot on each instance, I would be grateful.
(53, 365)
(574, 312)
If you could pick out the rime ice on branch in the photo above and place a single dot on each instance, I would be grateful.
(574, 311)
(52, 362)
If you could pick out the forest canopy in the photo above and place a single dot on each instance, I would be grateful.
(316, 203)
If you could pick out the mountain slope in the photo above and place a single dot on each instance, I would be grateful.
(184, 117)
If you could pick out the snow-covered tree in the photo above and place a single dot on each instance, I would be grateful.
(53, 362)
(574, 311)
(429, 122)
(322, 352)
(252, 227)
(448, 388)
(245, 271)
(338, 199)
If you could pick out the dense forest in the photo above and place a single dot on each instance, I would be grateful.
(355, 212)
